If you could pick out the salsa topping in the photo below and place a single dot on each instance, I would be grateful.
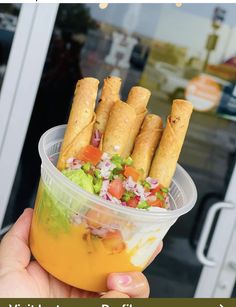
(115, 179)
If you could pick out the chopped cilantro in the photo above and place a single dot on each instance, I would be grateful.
(127, 196)
(122, 177)
(118, 161)
(111, 177)
(116, 171)
(128, 161)
(165, 190)
(143, 205)
(97, 173)
(97, 186)
(159, 196)
(146, 184)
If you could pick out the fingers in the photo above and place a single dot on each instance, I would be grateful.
(14, 250)
(133, 284)
(114, 294)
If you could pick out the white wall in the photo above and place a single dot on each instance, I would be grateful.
(187, 30)
(206, 10)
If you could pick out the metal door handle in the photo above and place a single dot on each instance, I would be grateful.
(206, 230)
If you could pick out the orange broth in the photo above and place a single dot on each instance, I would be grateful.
(69, 252)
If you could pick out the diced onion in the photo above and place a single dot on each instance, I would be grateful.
(153, 182)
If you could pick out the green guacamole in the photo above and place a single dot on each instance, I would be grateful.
(80, 178)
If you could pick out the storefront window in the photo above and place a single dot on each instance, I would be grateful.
(176, 52)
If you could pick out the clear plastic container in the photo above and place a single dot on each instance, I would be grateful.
(80, 238)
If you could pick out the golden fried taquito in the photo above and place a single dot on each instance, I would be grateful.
(81, 120)
(146, 143)
(121, 121)
(166, 157)
(138, 98)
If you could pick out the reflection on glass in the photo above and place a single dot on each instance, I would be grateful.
(168, 50)
(8, 22)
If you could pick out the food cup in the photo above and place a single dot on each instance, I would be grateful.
(80, 238)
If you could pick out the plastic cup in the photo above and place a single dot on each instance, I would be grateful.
(67, 232)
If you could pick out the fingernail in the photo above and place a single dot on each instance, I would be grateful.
(123, 279)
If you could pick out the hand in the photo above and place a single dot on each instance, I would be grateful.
(20, 277)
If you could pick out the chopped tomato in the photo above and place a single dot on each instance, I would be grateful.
(116, 188)
(131, 171)
(156, 203)
(133, 202)
(113, 241)
(157, 189)
(90, 154)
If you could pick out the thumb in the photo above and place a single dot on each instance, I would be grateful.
(133, 284)
(14, 250)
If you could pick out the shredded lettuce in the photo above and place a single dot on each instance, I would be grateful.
(53, 215)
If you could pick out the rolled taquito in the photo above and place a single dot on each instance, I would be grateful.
(121, 121)
(109, 94)
(166, 157)
(81, 120)
(146, 143)
(138, 98)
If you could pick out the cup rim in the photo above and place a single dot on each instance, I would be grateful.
(105, 203)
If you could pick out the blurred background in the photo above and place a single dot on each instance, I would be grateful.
(176, 51)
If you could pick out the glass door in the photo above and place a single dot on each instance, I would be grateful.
(219, 271)
(176, 52)
(24, 36)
